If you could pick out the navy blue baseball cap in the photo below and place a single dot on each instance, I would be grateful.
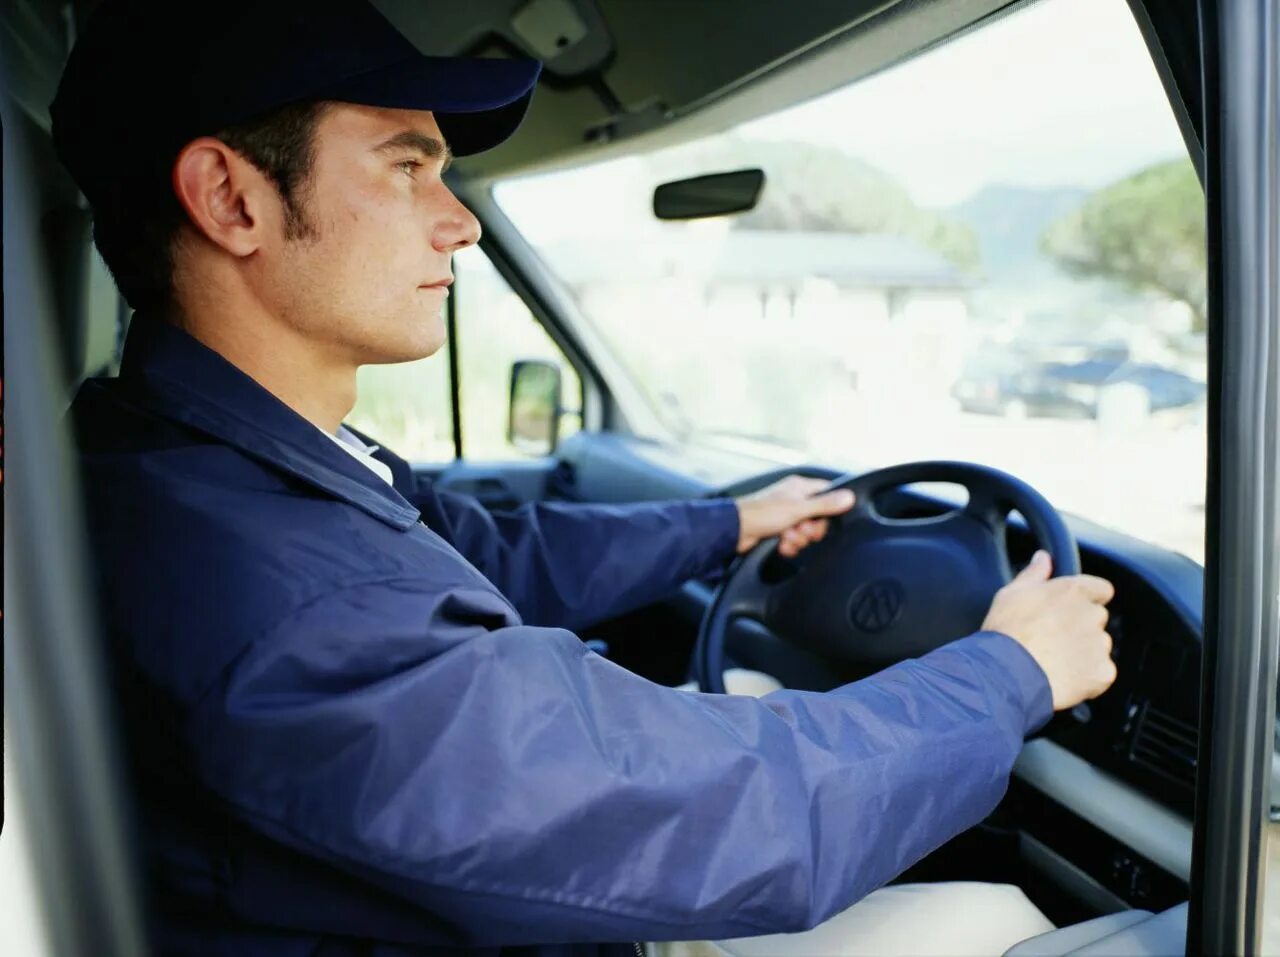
(148, 76)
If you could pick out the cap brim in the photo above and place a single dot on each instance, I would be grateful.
(478, 102)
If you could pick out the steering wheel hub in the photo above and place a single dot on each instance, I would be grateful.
(876, 605)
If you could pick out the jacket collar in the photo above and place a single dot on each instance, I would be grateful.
(184, 380)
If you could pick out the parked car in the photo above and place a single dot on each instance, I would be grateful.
(1071, 390)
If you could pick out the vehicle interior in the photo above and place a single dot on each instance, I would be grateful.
(1098, 819)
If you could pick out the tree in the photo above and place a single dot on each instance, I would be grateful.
(1146, 232)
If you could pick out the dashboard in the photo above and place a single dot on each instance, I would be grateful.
(1144, 729)
(1108, 789)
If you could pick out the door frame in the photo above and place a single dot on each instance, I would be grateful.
(1240, 43)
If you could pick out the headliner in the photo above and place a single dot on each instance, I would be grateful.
(644, 73)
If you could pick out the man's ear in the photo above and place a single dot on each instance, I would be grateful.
(229, 200)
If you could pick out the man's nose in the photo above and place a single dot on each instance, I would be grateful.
(456, 228)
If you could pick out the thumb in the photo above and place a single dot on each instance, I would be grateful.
(829, 503)
(1038, 569)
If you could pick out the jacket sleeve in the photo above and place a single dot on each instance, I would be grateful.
(527, 790)
(569, 565)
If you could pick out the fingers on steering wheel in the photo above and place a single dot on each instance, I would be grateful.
(1097, 590)
(808, 486)
(803, 533)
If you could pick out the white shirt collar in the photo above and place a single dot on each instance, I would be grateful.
(362, 453)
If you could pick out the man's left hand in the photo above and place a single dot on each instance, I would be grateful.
(792, 510)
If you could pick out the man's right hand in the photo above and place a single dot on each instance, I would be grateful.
(1062, 623)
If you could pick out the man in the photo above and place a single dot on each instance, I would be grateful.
(358, 716)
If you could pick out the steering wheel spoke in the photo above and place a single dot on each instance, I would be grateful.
(753, 607)
(985, 507)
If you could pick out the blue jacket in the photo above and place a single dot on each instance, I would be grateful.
(361, 722)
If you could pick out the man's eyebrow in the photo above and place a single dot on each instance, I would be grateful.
(413, 140)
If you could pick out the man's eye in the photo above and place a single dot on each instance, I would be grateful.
(410, 166)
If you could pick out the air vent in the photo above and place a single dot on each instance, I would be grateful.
(1166, 745)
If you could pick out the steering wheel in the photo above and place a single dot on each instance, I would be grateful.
(876, 589)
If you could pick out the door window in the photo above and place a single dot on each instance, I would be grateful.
(409, 406)
(496, 330)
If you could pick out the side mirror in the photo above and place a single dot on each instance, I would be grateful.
(717, 194)
(533, 414)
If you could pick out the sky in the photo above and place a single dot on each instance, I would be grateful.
(1060, 93)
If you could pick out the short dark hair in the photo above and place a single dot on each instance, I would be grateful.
(136, 222)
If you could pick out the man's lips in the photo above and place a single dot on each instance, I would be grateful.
(439, 284)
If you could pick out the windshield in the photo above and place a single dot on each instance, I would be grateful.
(993, 252)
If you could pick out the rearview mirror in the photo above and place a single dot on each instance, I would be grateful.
(533, 414)
(717, 194)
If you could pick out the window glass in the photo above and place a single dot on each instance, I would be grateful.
(408, 407)
(992, 252)
(496, 329)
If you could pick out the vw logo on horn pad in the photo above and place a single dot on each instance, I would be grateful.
(876, 605)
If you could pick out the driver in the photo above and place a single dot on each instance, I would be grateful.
(358, 715)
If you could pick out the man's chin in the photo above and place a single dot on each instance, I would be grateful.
(424, 350)
(420, 345)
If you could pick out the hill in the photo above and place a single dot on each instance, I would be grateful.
(1008, 222)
